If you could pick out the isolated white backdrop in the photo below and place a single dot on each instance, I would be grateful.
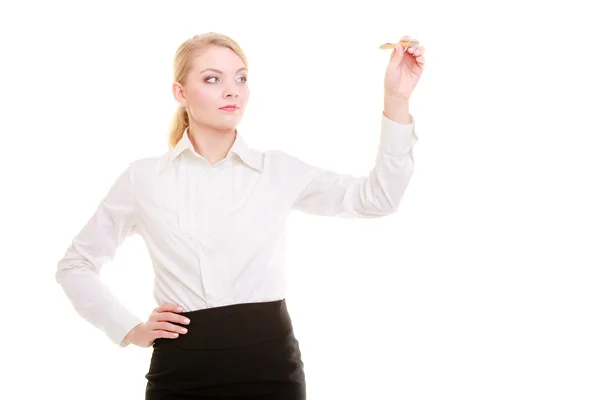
(484, 284)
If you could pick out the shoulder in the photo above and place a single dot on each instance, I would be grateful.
(285, 159)
(150, 163)
(290, 166)
(147, 168)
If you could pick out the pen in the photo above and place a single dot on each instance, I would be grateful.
(404, 44)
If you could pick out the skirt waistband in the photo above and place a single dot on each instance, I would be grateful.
(231, 326)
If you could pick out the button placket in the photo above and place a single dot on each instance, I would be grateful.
(201, 217)
(214, 284)
(195, 182)
(209, 195)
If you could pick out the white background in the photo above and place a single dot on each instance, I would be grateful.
(484, 284)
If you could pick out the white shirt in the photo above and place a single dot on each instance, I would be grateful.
(215, 234)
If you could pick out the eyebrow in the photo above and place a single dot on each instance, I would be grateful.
(220, 72)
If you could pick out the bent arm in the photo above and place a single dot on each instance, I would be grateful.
(329, 193)
(78, 272)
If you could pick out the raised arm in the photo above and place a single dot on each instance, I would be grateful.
(377, 194)
(326, 192)
(78, 271)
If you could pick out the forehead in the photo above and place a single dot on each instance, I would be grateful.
(221, 58)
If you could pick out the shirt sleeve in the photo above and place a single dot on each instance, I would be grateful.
(326, 192)
(78, 272)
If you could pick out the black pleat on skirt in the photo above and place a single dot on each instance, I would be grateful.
(240, 351)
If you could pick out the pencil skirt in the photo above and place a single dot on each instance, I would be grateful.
(240, 351)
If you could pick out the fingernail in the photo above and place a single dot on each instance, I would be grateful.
(180, 309)
(186, 321)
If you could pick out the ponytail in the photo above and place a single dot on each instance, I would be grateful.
(178, 125)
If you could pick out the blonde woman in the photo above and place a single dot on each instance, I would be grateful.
(212, 212)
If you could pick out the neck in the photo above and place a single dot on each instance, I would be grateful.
(212, 144)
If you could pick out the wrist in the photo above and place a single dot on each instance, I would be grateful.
(132, 332)
(396, 109)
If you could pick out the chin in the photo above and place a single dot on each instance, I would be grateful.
(226, 125)
(228, 121)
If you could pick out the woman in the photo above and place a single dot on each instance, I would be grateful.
(212, 213)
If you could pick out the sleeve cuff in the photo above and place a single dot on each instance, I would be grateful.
(122, 321)
(396, 138)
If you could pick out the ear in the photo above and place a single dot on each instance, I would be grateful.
(179, 94)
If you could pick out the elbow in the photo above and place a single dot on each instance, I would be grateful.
(62, 270)
(390, 209)
(394, 208)
(77, 260)
(394, 199)
(65, 267)
(78, 280)
(62, 273)
(69, 268)
(388, 185)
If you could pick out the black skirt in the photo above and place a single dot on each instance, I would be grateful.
(240, 351)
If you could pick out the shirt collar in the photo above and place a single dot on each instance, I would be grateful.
(239, 147)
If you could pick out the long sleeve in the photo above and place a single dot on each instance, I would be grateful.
(329, 193)
(79, 270)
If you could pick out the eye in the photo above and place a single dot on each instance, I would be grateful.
(244, 79)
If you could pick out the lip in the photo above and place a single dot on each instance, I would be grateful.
(230, 107)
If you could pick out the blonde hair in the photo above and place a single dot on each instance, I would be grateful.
(182, 64)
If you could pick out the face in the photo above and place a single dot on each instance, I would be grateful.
(217, 79)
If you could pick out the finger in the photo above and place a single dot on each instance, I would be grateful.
(172, 317)
(420, 59)
(414, 45)
(169, 307)
(165, 334)
(166, 326)
(419, 51)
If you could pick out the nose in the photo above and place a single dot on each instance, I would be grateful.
(230, 93)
